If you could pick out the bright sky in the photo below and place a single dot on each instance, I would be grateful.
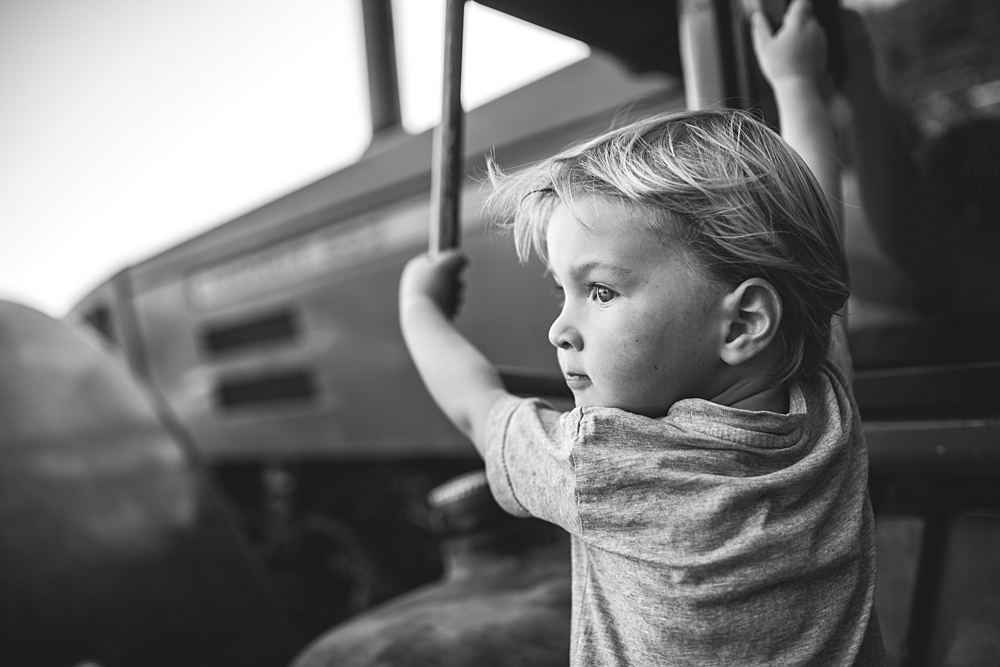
(127, 127)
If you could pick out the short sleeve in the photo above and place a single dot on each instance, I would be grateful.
(529, 460)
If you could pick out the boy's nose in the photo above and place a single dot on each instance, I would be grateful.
(564, 335)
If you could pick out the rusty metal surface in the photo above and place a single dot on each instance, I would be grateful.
(506, 614)
(113, 548)
(504, 599)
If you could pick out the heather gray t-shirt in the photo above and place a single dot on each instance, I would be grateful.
(711, 536)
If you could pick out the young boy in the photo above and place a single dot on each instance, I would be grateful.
(713, 473)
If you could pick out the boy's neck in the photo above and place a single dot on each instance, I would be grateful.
(772, 399)
(748, 386)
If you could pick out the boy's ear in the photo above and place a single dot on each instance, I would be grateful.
(753, 313)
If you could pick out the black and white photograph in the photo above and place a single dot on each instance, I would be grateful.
(499, 333)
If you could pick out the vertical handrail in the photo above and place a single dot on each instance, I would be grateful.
(701, 54)
(712, 49)
(447, 169)
(383, 80)
(921, 633)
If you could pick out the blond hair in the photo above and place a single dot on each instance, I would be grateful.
(722, 184)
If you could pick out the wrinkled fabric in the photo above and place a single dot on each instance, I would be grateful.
(710, 536)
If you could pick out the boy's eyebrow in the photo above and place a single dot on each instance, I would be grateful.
(597, 265)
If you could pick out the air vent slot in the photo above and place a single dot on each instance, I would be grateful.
(282, 388)
(272, 328)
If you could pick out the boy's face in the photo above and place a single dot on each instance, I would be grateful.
(641, 326)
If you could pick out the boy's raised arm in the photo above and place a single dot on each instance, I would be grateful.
(462, 381)
(793, 59)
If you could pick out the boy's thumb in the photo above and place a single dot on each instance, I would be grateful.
(760, 27)
(451, 258)
(758, 21)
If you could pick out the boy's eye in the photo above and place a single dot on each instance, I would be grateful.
(602, 293)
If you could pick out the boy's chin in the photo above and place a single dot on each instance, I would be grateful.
(589, 397)
(653, 411)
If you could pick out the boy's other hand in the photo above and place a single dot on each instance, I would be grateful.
(797, 50)
(437, 278)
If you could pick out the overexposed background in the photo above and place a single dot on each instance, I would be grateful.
(127, 127)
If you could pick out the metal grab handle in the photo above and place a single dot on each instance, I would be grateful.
(447, 169)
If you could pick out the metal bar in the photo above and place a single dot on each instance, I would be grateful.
(747, 79)
(729, 25)
(929, 392)
(380, 50)
(934, 448)
(710, 77)
(133, 343)
(447, 172)
(930, 572)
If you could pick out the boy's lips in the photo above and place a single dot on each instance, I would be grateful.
(577, 380)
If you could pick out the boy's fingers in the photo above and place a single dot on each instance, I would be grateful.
(761, 28)
(451, 258)
(451, 255)
(751, 6)
(798, 12)
(456, 260)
